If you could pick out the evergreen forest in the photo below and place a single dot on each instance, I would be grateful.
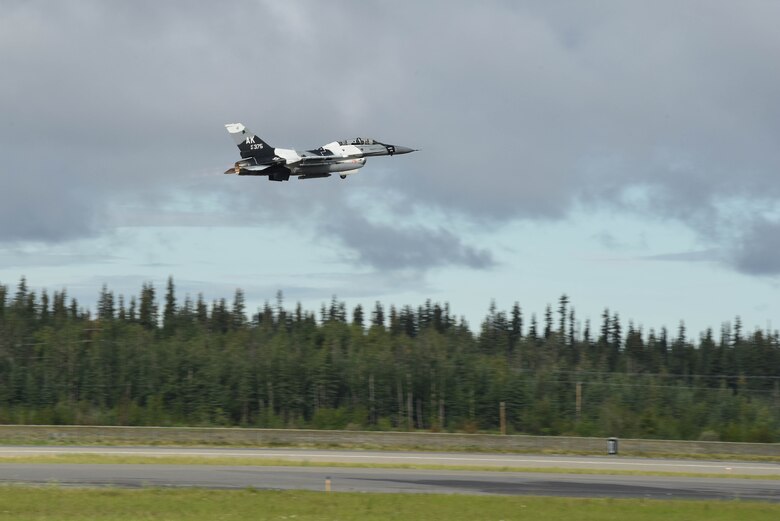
(156, 359)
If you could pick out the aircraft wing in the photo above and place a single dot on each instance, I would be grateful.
(251, 165)
(265, 170)
(274, 169)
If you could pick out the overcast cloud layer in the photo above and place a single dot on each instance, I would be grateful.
(522, 110)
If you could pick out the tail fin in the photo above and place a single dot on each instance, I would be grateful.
(248, 143)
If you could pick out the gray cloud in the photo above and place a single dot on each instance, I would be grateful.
(608, 240)
(46, 206)
(14, 258)
(388, 247)
(689, 256)
(757, 251)
(522, 109)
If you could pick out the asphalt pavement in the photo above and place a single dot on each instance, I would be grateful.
(458, 480)
(390, 481)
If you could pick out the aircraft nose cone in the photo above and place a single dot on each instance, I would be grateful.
(403, 150)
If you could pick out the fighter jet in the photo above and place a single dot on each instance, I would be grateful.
(338, 157)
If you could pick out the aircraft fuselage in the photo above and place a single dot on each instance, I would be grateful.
(342, 157)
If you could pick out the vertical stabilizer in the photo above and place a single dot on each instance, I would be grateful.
(248, 143)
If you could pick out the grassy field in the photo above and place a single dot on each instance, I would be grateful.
(65, 504)
(374, 440)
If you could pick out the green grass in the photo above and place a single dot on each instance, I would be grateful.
(266, 462)
(65, 504)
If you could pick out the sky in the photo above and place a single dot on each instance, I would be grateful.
(622, 153)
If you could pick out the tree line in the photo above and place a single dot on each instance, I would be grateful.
(171, 361)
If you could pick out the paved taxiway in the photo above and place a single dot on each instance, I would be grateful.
(401, 480)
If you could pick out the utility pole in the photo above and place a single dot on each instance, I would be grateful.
(502, 414)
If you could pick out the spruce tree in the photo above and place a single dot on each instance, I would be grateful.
(548, 320)
(563, 303)
(238, 311)
(378, 316)
(169, 311)
(105, 307)
(357, 316)
(147, 308)
(516, 331)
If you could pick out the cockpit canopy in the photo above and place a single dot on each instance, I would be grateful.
(358, 141)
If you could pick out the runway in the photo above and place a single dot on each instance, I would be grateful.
(400, 480)
(390, 481)
(458, 459)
